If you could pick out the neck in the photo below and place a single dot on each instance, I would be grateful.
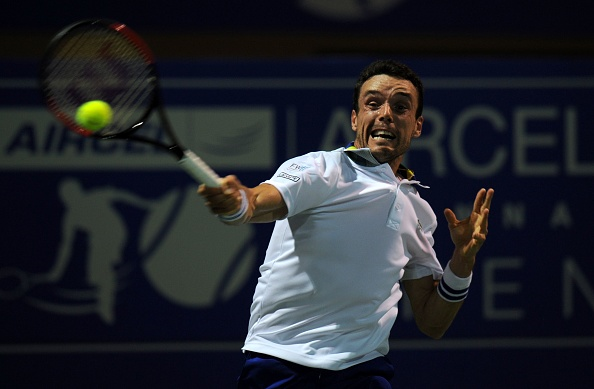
(395, 165)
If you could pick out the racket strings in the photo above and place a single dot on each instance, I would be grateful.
(99, 64)
(60, 74)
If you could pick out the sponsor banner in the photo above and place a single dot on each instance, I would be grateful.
(32, 140)
(102, 237)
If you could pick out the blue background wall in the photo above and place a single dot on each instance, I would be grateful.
(508, 105)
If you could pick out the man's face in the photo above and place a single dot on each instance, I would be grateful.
(386, 120)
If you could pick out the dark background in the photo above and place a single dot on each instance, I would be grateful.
(440, 39)
(284, 29)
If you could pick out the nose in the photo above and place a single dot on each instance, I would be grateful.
(385, 113)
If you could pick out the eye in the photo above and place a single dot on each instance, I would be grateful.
(399, 107)
(373, 104)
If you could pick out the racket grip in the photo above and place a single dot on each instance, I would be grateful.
(198, 169)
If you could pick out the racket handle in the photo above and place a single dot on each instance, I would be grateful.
(198, 169)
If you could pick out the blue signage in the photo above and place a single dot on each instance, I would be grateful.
(109, 256)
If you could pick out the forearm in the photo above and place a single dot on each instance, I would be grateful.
(261, 204)
(254, 214)
(436, 303)
(437, 315)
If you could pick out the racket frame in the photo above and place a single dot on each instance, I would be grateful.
(187, 159)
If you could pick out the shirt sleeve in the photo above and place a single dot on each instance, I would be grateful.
(305, 181)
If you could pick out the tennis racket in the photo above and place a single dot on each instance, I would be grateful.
(106, 60)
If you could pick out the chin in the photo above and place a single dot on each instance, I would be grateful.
(384, 154)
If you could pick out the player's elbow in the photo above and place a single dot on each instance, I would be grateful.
(433, 331)
(434, 334)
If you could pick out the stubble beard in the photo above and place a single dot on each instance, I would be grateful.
(387, 154)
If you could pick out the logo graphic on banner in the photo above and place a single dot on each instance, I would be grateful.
(170, 255)
(110, 233)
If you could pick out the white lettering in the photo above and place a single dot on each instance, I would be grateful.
(513, 215)
(493, 288)
(523, 141)
(573, 275)
(432, 141)
(571, 146)
(561, 216)
(457, 143)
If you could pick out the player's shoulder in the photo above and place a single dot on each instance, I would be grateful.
(316, 159)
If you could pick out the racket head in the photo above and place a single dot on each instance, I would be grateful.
(100, 60)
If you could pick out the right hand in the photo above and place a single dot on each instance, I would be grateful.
(224, 200)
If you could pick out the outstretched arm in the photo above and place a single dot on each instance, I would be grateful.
(434, 314)
(238, 204)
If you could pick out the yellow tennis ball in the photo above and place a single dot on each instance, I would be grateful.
(94, 115)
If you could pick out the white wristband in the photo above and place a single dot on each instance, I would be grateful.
(240, 213)
(451, 287)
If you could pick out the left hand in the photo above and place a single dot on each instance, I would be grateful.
(468, 235)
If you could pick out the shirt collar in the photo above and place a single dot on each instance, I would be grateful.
(364, 157)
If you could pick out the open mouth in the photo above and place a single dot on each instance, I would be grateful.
(382, 134)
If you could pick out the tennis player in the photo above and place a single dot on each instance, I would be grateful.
(351, 229)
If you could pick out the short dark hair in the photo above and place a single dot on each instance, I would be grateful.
(393, 69)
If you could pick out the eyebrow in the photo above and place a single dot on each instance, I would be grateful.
(373, 92)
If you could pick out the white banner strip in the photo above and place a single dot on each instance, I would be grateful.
(395, 344)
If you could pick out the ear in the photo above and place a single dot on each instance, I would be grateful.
(418, 127)
(354, 120)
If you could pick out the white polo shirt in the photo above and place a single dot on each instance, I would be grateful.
(330, 283)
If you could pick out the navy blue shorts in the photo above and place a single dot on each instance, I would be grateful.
(266, 372)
